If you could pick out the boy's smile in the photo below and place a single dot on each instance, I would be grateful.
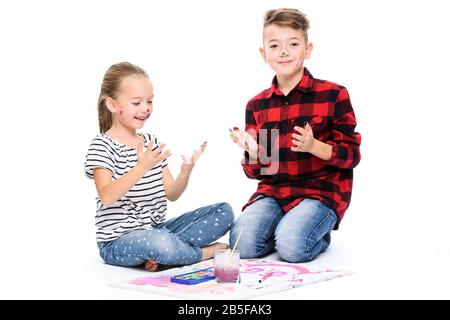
(285, 62)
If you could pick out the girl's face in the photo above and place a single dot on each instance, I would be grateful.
(134, 104)
(285, 50)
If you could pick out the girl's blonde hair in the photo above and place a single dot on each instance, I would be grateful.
(110, 87)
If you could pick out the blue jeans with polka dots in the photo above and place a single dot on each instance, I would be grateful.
(174, 242)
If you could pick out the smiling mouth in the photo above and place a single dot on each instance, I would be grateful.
(142, 118)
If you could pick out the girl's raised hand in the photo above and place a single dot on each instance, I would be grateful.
(148, 159)
(188, 163)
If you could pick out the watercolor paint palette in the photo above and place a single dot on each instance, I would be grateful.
(194, 277)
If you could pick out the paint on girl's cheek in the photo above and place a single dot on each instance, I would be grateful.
(148, 110)
(120, 112)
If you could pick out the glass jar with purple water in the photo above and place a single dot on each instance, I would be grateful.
(226, 265)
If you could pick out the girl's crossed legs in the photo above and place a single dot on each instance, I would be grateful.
(180, 241)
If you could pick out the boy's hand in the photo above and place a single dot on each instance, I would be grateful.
(244, 140)
(188, 163)
(148, 159)
(304, 141)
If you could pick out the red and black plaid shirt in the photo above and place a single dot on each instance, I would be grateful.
(326, 107)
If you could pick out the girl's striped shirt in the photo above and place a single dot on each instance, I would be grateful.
(143, 206)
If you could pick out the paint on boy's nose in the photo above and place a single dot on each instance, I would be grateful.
(283, 54)
(120, 112)
(148, 110)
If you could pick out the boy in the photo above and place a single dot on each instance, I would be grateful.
(305, 189)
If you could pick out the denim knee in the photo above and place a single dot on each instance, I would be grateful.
(295, 257)
(234, 232)
(226, 212)
(247, 245)
(293, 252)
(303, 250)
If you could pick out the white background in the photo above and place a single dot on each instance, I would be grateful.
(203, 59)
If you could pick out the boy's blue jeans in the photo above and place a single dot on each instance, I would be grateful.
(174, 242)
(299, 235)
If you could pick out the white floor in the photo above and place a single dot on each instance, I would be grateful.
(379, 274)
(396, 244)
(374, 278)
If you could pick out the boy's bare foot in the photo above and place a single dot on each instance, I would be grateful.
(208, 251)
(151, 265)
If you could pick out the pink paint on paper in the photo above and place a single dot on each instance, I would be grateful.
(161, 281)
(252, 267)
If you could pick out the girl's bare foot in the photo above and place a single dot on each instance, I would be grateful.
(151, 265)
(208, 251)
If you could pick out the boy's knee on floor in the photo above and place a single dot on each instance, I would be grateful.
(246, 245)
(247, 252)
(234, 232)
(293, 252)
(294, 256)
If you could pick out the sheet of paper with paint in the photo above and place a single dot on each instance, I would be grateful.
(283, 276)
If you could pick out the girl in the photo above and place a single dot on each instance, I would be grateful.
(133, 184)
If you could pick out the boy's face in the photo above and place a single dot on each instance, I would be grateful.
(285, 50)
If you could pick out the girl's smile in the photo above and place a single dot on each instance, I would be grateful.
(142, 118)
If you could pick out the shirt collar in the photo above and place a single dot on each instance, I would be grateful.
(305, 85)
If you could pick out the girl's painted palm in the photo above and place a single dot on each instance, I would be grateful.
(190, 162)
(149, 158)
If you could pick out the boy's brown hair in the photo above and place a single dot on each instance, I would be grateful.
(287, 17)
